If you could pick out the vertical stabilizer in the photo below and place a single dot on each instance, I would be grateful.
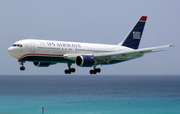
(134, 37)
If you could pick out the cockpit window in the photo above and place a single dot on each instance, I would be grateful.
(18, 45)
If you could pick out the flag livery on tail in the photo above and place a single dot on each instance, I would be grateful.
(134, 37)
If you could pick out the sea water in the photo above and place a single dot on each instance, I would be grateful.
(90, 94)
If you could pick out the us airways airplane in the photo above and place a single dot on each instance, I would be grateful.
(44, 53)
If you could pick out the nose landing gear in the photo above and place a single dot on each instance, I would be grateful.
(22, 68)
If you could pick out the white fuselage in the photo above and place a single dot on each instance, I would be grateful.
(47, 48)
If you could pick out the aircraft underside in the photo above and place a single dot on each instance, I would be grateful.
(45, 61)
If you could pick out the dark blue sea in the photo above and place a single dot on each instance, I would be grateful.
(91, 94)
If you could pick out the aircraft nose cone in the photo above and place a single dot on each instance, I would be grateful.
(11, 51)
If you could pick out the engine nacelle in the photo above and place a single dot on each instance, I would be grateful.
(42, 64)
(85, 61)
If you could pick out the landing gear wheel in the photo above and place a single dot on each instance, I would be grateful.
(69, 70)
(22, 68)
(91, 71)
(95, 70)
(73, 70)
(66, 71)
(98, 70)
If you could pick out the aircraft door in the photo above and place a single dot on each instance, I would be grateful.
(32, 47)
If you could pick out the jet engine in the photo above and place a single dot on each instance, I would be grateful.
(85, 61)
(42, 64)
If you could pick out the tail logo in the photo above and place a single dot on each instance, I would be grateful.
(136, 35)
(133, 38)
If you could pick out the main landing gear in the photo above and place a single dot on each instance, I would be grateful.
(22, 68)
(69, 70)
(95, 70)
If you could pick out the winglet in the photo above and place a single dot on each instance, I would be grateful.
(143, 18)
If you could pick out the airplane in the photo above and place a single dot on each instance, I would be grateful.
(44, 53)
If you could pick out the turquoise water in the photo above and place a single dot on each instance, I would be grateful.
(89, 94)
(88, 104)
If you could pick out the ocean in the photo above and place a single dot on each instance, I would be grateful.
(90, 94)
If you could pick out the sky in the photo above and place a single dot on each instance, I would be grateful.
(92, 21)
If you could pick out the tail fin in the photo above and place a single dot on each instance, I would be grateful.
(134, 37)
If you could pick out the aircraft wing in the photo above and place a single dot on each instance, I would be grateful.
(129, 54)
(106, 57)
